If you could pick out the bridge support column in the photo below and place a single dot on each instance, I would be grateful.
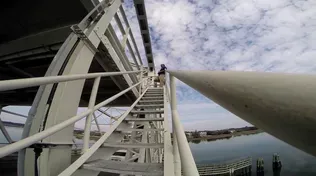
(39, 107)
(61, 101)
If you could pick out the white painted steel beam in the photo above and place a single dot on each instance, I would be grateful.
(125, 40)
(110, 33)
(87, 127)
(154, 94)
(148, 112)
(9, 149)
(282, 104)
(116, 57)
(97, 123)
(152, 98)
(38, 110)
(187, 161)
(131, 34)
(133, 145)
(4, 131)
(140, 77)
(150, 106)
(144, 119)
(151, 101)
(31, 82)
(168, 148)
(140, 130)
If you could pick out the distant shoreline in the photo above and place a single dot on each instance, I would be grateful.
(225, 136)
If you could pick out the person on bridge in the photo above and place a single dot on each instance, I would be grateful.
(161, 74)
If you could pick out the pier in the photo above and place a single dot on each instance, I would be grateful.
(238, 167)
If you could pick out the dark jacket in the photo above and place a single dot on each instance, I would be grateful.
(162, 70)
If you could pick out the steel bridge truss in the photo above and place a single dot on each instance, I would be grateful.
(141, 131)
(281, 104)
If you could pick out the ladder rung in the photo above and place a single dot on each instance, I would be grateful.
(154, 95)
(144, 119)
(133, 145)
(150, 106)
(138, 129)
(148, 112)
(155, 98)
(151, 101)
(157, 88)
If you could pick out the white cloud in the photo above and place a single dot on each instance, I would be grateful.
(207, 116)
(245, 35)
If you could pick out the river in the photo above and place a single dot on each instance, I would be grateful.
(262, 145)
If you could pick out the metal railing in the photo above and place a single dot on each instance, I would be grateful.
(180, 149)
(225, 168)
(29, 82)
(183, 158)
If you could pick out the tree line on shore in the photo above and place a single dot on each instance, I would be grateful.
(197, 134)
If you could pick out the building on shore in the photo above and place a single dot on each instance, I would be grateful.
(203, 133)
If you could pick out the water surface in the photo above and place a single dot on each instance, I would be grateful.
(263, 145)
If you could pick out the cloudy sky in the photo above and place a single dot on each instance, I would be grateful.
(243, 35)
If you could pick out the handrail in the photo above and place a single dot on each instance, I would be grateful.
(168, 148)
(187, 161)
(9, 149)
(31, 82)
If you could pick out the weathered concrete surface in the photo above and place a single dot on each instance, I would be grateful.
(283, 105)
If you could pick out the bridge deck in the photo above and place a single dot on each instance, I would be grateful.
(33, 33)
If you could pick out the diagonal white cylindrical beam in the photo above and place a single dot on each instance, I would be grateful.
(4, 131)
(96, 122)
(176, 154)
(31, 82)
(14, 147)
(87, 128)
(187, 161)
(283, 105)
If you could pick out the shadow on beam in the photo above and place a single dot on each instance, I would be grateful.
(284, 105)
